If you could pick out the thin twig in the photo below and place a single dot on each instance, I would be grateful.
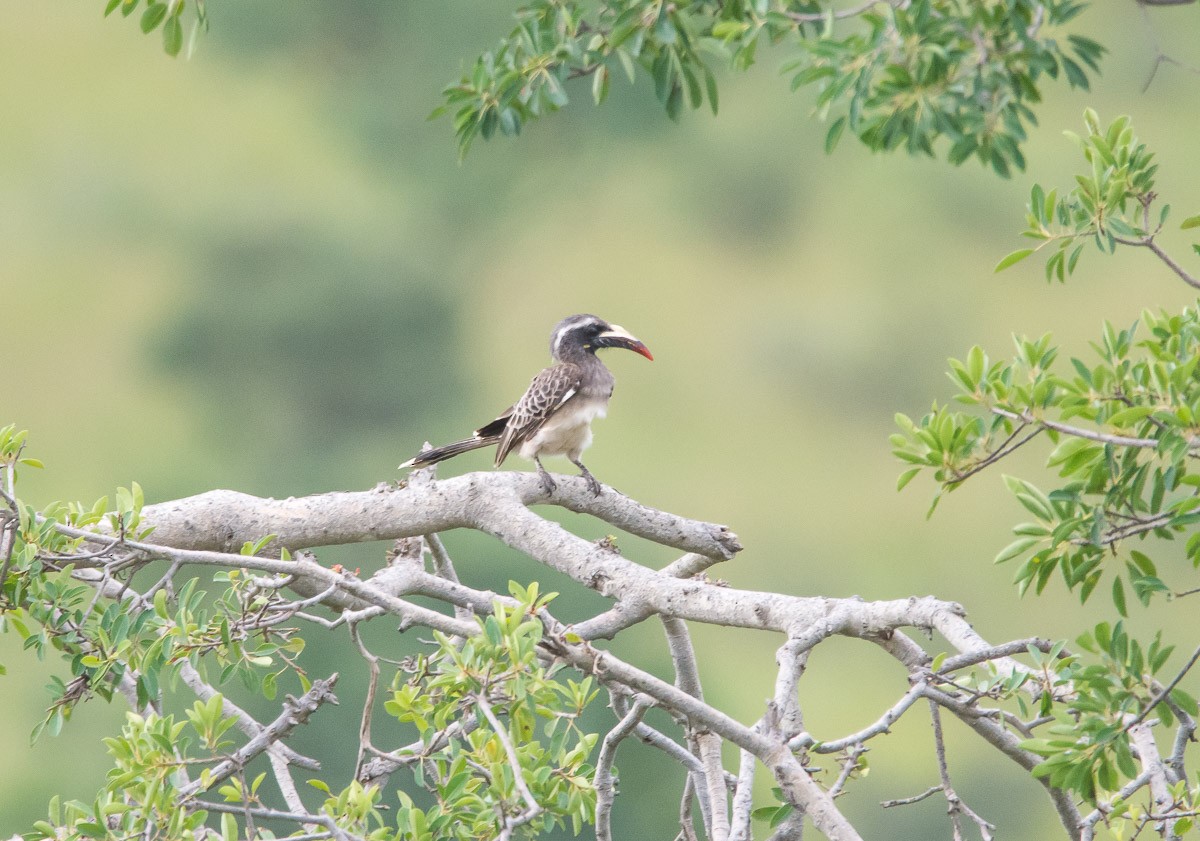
(1087, 824)
(687, 829)
(443, 567)
(603, 779)
(657, 739)
(274, 815)
(995, 652)
(1000, 452)
(283, 778)
(532, 807)
(364, 727)
(1166, 690)
(916, 798)
(1148, 242)
(245, 722)
(1090, 434)
(1160, 57)
(879, 726)
(8, 529)
(954, 804)
(983, 722)
(296, 711)
(843, 14)
(849, 766)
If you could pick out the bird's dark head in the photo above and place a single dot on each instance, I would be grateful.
(587, 333)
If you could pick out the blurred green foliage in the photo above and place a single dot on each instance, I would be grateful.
(908, 74)
(339, 326)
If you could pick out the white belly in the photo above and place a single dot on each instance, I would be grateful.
(568, 432)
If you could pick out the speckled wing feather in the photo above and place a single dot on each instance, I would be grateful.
(549, 390)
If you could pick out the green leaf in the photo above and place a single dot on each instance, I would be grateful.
(710, 84)
(555, 92)
(1118, 596)
(153, 16)
(1133, 414)
(834, 134)
(906, 477)
(728, 29)
(1034, 501)
(1013, 258)
(1184, 700)
(172, 36)
(675, 102)
(600, 82)
(1190, 222)
(1016, 548)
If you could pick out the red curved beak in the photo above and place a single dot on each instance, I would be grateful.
(638, 347)
(618, 336)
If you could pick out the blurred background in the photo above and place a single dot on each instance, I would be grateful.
(263, 269)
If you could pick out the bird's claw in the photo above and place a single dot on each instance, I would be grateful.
(548, 484)
(592, 484)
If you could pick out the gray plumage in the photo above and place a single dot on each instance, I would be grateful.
(554, 415)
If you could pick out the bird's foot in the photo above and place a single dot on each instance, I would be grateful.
(548, 484)
(592, 484)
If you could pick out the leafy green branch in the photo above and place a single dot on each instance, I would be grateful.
(906, 75)
(169, 16)
(520, 762)
(1112, 204)
(1124, 426)
(1125, 430)
(900, 74)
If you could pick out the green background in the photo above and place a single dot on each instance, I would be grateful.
(263, 269)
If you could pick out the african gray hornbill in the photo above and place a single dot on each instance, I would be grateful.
(554, 416)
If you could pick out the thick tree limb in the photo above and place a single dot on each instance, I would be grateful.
(495, 503)
(223, 520)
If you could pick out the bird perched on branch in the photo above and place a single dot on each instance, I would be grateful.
(554, 416)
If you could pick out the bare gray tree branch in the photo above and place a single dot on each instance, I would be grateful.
(208, 530)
